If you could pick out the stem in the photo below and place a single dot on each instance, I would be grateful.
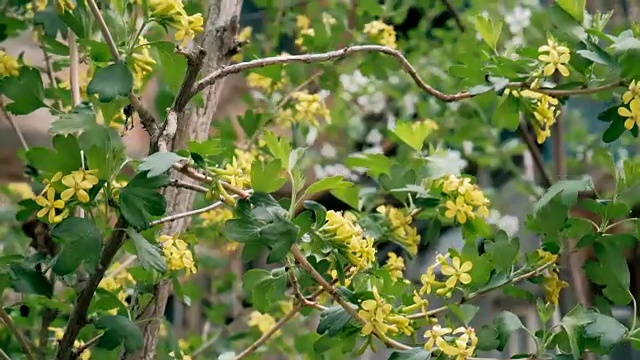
(52, 81)
(74, 69)
(4, 355)
(137, 36)
(188, 213)
(24, 342)
(12, 122)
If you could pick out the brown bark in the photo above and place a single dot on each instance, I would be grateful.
(218, 41)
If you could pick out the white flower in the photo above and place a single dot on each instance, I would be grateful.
(323, 94)
(374, 150)
(355, 82)
(328, 150)
(373, 103)
(312, 135)
(508, 223)
(518, 19)
(467, 147)
(374, 137)
(409, 101)
(445, 162)
(334, 170)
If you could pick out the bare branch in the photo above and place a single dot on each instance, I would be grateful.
(74, 65)
(24, 342)
(187, 214)
(195, 175)
(148, 121)
(185, 185)
(525, 134)
(4, 355)
(49, 71)
(14, 125)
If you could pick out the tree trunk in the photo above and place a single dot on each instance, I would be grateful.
(218, 41)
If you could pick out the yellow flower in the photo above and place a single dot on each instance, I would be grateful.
(375, 311)
(458, 210)
(545, 116)
(632, 93)
(304, 27)
(22, 189)
(58, 333)
(78, 182)
(457, 272)
(236, 174)
(167, 10)
(142, 63)
(382, 33)
(258, 81)
(41, 4)
(461, 350)
(632, 114)
(177, 253)
(362, 252)
(395, 265)
(546, 257)
(309, 107)
(552, 286)
(216, 216)
(428, 279)
(264, 322)
(433, 335)
(342, 227)
(401, 228)
(65, 5)
(286, 306)
(83, 78)
(189, 27)
(243, 37)
(49, 205)
(8, 65)
(328, 20)
(556, 59)
(303, 22)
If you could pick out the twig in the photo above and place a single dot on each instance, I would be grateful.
(78, 317)
(482, 292)
(195, 175)
(4, 355)
(12, 122)
(52, 80)
(185, 185)
(535, 154)
(24, 342)
(187, 214)
(148, 121)
(390, 343)
(125, 264)
(74, 70)
(456, 15)
(266, 336)
(88, 344)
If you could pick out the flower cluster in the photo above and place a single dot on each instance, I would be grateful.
(265, 83)
(142, 63)
(243, 37)
(172, 13)
(463, 200)
(217, 216)
(237, 172)
(117, 282)
(544, 111)
(307, 109)
(77, 183)
(380, 319)
(553, 285)
(65, 5)
(401, 228)
(8, 65)
(631, 97)
(177, 253)
(557, 58)
(459, 347)
(345, 231)
(381, 33)
(58, 333)
(395, 265)
(83, 79)
(304, 29)
(456, 270)
(264, 322)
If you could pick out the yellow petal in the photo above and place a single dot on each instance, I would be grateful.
(628, 96)
(52, 215)
(545, 58)
(549, 70)
(563, 70)
(466, 266)
(564, 58)
(68, 181)
(623, 111)
(42, 212)
(82, 196)
(67, 194)
(465, 278)
(634, 105)
(451, 282)
(58, 204)
(628, 124)
(447, 270)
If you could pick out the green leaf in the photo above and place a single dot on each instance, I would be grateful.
(545, 310)
(464, 312)
(413, 133)
(111, 82)
(139, 201)
(172, 66)
(82, 242)
(29, 281)
(159, 162)
(318, 209)
(614, 131)
(411, 354)
(613, 260)
(333, 320)
(487, 338)
(375, 164)
(506, 323)
(607, 330)
(507, 114)
(266, 177)
(280, 148)
(79, 119)
(573, 322)
(489, 30)
(265, 288)
(208, 147)
(594, 56)
(503, 251)
(50, 21)
(568, 189)
(575, 8)
(25, 89)
(349, 196)
(328, 183)
(148, 254)
(98, 51)
(119, 329)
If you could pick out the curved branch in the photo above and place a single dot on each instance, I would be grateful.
(24, 342)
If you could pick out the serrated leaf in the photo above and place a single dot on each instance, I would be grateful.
(111, 82)
(503, 251)
(575, 8)
(333, 320)
(464, 312)
(139, 200)
(506, 323)
(413, 133)
(349, 196)
(159, 162)
(25, 90)
(328, 183)
(318, 209)
(572, 323)
(119, 329)
(148, 254)
(77, 120)
(488, 29)
(411, 354)
(29, 281)
(82, 242)
(265, 288)
(567, 189)
(266, 177)
(607, 330)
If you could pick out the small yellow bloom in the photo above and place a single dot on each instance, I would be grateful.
(552, 286)
(401, 228)
(190, 26)
(328, 20)
(395, 265)
(362, 253)
(459, 210)
(141, 63)
(457, 272)
(65, 5)
(8, 65)
(428, 280)
(177, 253)
(632, 93)
(546, 257)
(375, 311)
(310, 107)
(216, 216)
(24, 190)
(632, 114)
(432, 336)
(58, 333)
(556, 59)
(342, 226)
(49, 205)
(459, 351)
(382, 33)
(264, 322)
(78, 182)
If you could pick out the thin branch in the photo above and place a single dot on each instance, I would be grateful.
(22, 339)
(4, 355)
(148, 121)
(187, 214)
(526, 135)
(475, 295)
(87, 345)
(52, 80)
(456, 15)
(122, 267)
(266, 336)
(195, 175)
(74, 69)
(14, 125)
(177, 183)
